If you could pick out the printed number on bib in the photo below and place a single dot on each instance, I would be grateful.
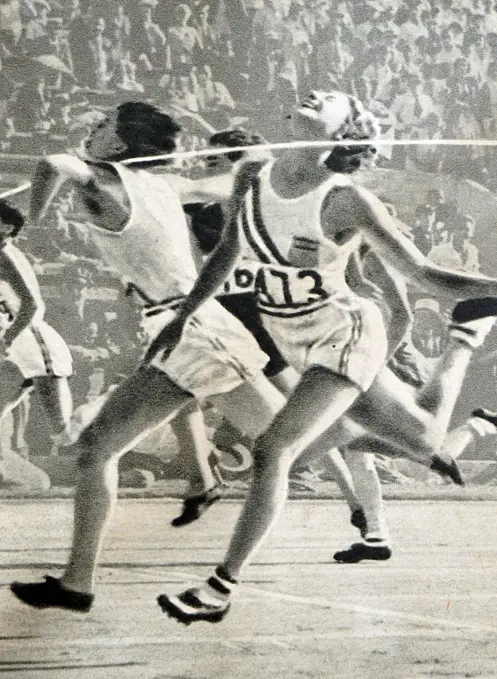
(289, 288)
(242, 280)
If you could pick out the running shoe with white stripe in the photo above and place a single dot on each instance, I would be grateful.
(210, 602)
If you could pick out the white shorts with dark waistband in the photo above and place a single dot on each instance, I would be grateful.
(39, 351)
(215, 354)
(346, 335)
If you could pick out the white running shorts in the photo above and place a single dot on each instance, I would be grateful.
(215, 354)
(39, 351)
(347, 336)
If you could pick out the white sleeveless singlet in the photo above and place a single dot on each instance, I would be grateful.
(300, 268)
(152, 253)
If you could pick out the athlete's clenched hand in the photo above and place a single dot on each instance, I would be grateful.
(166, 341)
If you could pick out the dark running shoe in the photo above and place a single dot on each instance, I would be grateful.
(358, 520)
(210, 602)
(189, 607)
(51, 594)
(360, 551)
(474, 309)
(447, 469)
(485, 414)
(195, 506)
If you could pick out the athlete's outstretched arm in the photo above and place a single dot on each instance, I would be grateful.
(225, 255)
(356, 207)
(50, 174)
(28, 306)
(209, 189)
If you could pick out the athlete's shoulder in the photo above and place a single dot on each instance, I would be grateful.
(69, 166)
(341, 196)
(353, 198)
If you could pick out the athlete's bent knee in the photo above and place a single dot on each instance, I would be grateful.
(268, 456)
(87, 450)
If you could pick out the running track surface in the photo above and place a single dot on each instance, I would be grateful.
(431, 611)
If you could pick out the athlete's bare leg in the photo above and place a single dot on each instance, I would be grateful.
(367, 486)
(56, 398)
(252, 406)
(415, 421)
(344, 478)
(466, 435)
(319, 398)
(142, 402)
(12, 387)
(286, 380)
(195, 448)
(20, 418)
(189, 428)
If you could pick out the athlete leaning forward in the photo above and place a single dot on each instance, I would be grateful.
(302, 236)
(302, 224)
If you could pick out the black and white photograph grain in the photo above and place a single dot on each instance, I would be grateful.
(248, 339)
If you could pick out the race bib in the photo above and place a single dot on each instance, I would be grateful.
(287, 287)
(242, 279)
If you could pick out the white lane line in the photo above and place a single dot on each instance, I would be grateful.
(285, 640)
(366, 610)
(321, 603)
(376, 612)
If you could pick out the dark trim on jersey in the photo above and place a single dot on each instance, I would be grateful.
(308, 241)
(290, 314)
(355, 336)
(45, 352)
(261, 227)
(306, 248)
(250, 239)
(168, 304)
(133, 288)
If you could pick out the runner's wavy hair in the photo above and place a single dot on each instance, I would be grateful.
(359, 124)
(145, 130)
(11, 216)
(235, 137)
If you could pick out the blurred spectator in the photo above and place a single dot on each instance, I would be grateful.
(212, 95)
(30, 106)
(371, 74)
(182, 38)
(404, 105)
(206, 31)
(409, 23)
(443, 253)
(296, 44)
(181, 92)
(35, 36)
(488, 101)
(445, 211)
(80, 33)
(424, 219)
(148, 40)
(101, 51)
(10, 23)
(463, 234)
